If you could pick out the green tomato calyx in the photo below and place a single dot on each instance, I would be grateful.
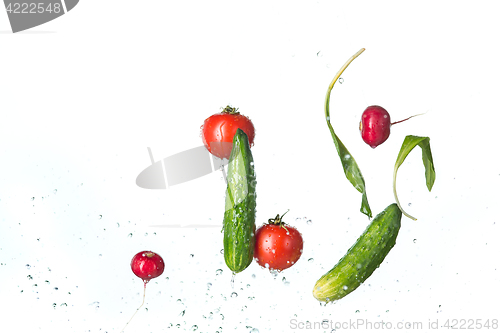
(230, 110)
(278, 220)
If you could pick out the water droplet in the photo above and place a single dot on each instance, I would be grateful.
(341, 80)
(232, 280)
(357, 311)
(30, 277)
(182, 313)
(309, 222)
(54, 305)
(100, 217)
(414, 240)
(254, 330)
(222, 251)
(409, 203)
(310, 260)
(32, 198)
(233, 295)
(191, 255)
(209, 285)
(64, 304)
(194, 328)
(345, 287)
(218, 272)
(130, 235)
(28, 266)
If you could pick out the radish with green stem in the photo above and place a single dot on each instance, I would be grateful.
(375, 125)
(146, 265)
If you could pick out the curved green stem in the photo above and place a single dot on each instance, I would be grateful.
(396, 195)
(351, 169)
(328, 93)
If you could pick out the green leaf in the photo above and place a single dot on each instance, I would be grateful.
(351, 169)
(409, 143)
(352, 172)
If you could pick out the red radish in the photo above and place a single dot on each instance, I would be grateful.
(146, 265)
(375, 125)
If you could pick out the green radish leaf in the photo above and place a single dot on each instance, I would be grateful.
(409, 143)
(352, 172)
(351, 169)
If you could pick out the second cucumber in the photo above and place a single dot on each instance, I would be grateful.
(239, 214)
(362, 259)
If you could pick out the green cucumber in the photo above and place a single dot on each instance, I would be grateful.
(239, 215)
(362, 258)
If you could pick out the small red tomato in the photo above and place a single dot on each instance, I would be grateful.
(218, 131)
(277, 246)
(147, 265)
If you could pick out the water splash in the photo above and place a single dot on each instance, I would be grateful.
(232, 280)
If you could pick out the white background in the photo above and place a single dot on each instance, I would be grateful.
(83, 96)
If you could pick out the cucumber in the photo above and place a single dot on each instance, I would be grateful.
(239, 215)
(362, 258)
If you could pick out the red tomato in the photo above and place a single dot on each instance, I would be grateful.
(218, 131)
(277, 246)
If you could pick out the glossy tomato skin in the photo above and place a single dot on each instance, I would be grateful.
(147, 265)
(277, 247)
(218, 131)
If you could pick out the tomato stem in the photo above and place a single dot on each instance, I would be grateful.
(230, 110)
(278, 220)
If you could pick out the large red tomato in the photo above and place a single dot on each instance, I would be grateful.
(218, 131)
(277, 246)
